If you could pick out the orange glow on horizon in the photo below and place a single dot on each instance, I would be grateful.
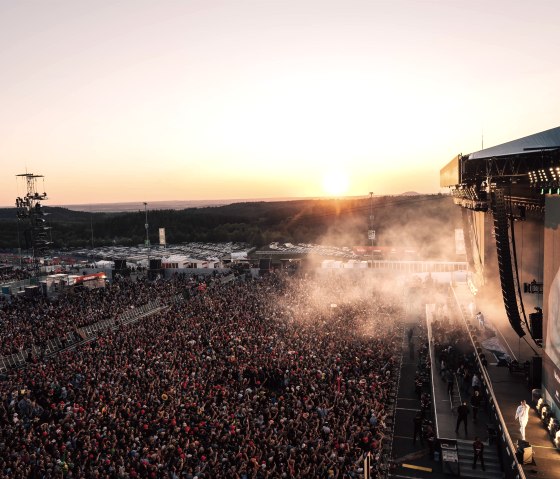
(180, 101)
(336, 182)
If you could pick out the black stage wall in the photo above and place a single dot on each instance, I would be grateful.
(529, 239)
(529, 242)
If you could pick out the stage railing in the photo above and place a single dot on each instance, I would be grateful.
(433, 365)
(83, 334)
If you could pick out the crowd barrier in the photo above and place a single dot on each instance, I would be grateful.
(82, 334)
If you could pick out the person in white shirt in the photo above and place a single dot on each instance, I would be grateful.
(475, 383)
(480, 318)
(522, 415)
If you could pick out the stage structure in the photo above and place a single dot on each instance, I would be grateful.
(510, 195)
(31, 215)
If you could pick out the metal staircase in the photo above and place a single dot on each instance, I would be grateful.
(491, 461)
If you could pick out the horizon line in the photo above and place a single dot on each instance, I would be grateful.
(233, 200)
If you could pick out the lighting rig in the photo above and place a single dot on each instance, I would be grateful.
(471, 197)
(545, 179)
(30, 211)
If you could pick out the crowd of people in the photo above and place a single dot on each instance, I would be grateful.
(9, 274)
(25, 322)
(456, 360)
(279, 377)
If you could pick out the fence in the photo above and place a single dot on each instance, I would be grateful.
(83, 334)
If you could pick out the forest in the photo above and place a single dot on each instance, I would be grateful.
(425, 222)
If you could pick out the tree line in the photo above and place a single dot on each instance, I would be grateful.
(398, 221)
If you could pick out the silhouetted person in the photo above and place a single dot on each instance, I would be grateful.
(475, 404)
(475, 383)
(418, 428)
(478, 453)
(462, 414)
(450, 379)
(431, 438)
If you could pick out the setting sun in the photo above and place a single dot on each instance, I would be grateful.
(335, 183)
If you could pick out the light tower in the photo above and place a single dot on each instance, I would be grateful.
(30, 210)
(147, 241)
(371, 231)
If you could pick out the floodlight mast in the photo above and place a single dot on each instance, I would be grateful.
(147, 240)
(146, 224)
(30, 210)
(371, 231)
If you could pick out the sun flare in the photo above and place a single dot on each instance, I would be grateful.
(335, 183)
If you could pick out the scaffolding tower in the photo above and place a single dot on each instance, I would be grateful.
(30, 212)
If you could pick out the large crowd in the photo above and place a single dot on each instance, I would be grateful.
(279, 377)
(25, 322)
(9, 274)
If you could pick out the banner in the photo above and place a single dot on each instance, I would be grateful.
(162, 236)
(90, 277)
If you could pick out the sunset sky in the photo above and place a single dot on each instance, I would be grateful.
(138, 100)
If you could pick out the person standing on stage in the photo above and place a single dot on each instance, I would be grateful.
(462, 414)
(475, 403)
(449, 378)
(480, 318)
(522, 415)
(478, 453)
(475, 383)
(431, 438)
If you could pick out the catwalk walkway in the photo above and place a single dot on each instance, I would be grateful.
(510, 389)
(413, 459)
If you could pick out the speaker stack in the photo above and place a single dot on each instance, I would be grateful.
(535, 321)
(265, 265)
(120, 268)
(501, 230)
(155, 269)
(535, 373)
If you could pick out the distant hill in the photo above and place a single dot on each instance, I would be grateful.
(424, 222)
(410, 193)
(163, 205)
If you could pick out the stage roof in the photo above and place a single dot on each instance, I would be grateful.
(545, 140)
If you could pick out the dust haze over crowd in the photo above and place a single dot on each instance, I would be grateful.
(280, 376)
(425, 226)
(333, 293)
(249, 376)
